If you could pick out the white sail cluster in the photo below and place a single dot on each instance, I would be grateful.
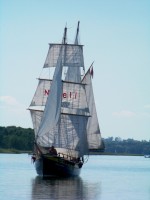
(63, 109)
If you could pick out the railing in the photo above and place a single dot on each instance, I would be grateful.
(68, 157)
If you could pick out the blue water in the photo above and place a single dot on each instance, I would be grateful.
(102, 178)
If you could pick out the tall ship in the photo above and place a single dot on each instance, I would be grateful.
(63, 112)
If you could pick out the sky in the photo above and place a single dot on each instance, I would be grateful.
(115, 35)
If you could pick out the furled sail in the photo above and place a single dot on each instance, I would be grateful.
(93, 130)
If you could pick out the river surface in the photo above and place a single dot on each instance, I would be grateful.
(102, 178)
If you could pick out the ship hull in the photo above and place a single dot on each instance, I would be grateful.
(56, 166)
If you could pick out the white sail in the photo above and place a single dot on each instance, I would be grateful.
(36, 120)
(93, 130)
(67, 134)
(74, 117)
(74, 73)
(53, 105)
(38, 102)
(41, 94)
(74, 99)
(72, 55)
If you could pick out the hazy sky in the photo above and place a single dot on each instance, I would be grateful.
(115, 34)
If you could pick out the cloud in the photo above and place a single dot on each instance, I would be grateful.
(13, 112)
(8, 100)
(130, 114)
(124, 113)
(9, 103)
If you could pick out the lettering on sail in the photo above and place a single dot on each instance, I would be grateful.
(65, 95)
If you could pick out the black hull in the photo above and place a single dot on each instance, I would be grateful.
(48, 165)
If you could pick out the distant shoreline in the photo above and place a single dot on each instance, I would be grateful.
(113, 154)
(15, 151)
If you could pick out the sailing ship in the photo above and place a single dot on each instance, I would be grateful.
(63, 112)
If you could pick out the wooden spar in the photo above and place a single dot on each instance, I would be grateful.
(76, 39)
(65, 35)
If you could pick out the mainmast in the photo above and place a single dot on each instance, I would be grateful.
(77, 39)
(77, 34)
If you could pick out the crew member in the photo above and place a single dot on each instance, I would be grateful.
(53, 151)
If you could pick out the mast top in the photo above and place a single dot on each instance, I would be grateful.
(77, 34)
(65, 36)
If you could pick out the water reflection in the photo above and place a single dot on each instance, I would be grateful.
(64, 188)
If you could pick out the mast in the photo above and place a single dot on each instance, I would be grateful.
(77, 34)
(65, 36)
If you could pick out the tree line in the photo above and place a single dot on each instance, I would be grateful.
(18, 138)
(22, 139)
(128, 146)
